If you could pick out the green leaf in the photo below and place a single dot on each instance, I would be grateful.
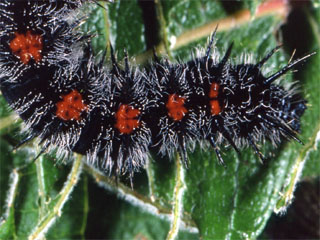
(311, 72)
(126, 27)
(73, 221)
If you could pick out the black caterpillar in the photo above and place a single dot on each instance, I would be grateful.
(115, 114)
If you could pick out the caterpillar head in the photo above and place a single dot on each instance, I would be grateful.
(255, 108)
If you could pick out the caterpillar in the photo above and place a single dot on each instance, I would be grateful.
(114, 114)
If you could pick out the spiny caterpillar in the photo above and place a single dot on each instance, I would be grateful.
(115, 114)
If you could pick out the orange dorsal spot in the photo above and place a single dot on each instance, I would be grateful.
(71, 106)
(175, 106)
(215, 107)
(126, 119)
(214, 90)
(27, 46)
(213, 95)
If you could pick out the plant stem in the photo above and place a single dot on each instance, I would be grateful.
(150, 173)
(8, 216)
(278, 8)
(53, 213)
(41, 186)
(177, 199)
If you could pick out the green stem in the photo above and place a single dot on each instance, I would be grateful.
(41, 186)
(150, 173)
(177, 199)
(235, 20)
(162, 24)
(106, 23)
(46, 222)
(85, 206)
(8, 218)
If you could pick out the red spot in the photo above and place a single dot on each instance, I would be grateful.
(214, 90)
(215, 107)
(213, 95)
(126, 120)
(71, 106)
(27, 46)
(175, 106)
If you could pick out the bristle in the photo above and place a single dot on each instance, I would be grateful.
(266, 58)
(255, 148)
(210, 45)
(226, 56)
(212, 142)
(285, 69)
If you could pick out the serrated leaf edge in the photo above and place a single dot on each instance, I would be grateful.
(11, 195)
(179, 189)
(288, 193)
